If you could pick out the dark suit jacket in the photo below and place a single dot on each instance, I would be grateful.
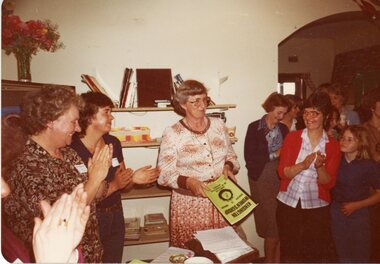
(256, 152)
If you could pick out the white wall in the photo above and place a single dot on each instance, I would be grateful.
(201, 39)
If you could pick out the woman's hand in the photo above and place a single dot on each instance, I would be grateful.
(308, 160)
(100, 163)
(348, 208)
(123, 177)
(227, 172)
(145, 175)
(196, 187)
(320, 160)
(56, 237)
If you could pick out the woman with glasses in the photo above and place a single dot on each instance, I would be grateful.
(194, 151)
(262, 147)
(308, 167)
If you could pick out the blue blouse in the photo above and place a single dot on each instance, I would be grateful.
(355, 179)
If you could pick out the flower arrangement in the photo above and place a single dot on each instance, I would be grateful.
(25, 39)
(29, 37)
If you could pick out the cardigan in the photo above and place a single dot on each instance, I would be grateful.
(256, 153)
(290, 149)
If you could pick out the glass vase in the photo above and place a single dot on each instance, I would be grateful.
(23, 67)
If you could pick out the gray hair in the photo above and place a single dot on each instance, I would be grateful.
(184, 91)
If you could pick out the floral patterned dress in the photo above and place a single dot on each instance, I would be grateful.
(197, 155)
(37, 176)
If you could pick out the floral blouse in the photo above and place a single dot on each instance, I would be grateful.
(201, 156)
(36, 175)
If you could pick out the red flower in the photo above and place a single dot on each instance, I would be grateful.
(28, 37)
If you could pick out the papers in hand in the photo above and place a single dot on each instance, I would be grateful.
(223, 242)
(230, 200)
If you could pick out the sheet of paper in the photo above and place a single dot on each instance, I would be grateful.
(225, 243)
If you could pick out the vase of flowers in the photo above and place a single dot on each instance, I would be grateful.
(25, 39)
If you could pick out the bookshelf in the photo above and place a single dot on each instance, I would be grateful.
(147, 239)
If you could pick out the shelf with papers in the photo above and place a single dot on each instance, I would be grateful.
(157, 109)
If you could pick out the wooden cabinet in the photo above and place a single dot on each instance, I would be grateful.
(12, 92)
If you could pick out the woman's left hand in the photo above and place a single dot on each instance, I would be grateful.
(228, 173)
(319, 160)
(348, 208)
(62, 228)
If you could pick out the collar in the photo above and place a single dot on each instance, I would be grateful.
(324, 137)
(262, 123)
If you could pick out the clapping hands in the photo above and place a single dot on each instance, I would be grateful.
(145, 175)
(100, 163)
(123, 177)
(56, 237)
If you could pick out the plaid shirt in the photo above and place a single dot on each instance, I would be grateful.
(304, 186)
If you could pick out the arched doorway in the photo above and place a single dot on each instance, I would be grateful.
(343, 47)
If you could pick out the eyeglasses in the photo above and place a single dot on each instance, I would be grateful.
(206, 101)
(312, 114)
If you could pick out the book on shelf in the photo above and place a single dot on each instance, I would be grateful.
(162, 103)
(132, 228)
(156, 229)
(125, 87)
(153, 84)
(93, 84)
(155, 218)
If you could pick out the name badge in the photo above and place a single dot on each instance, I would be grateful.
(81, 168)
(115, 162)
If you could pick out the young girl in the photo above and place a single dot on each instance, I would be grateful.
(352, 197)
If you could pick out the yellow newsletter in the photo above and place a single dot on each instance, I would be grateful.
(231, 201)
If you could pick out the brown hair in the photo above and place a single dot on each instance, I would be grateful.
(361, 134)
(294, 100)
(184, 91)
(274, 100)
(92, 102)
(338, 89)
(320, 101)
(46, 105)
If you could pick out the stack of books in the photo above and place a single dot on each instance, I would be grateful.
(162, 103)
(155, 224)
(132, 228)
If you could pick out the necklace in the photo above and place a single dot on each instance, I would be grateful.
(195, 134)
(187, 124)
(204, 145)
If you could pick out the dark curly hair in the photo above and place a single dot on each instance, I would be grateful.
(92, 102)
(46, 105)
(320, 101)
